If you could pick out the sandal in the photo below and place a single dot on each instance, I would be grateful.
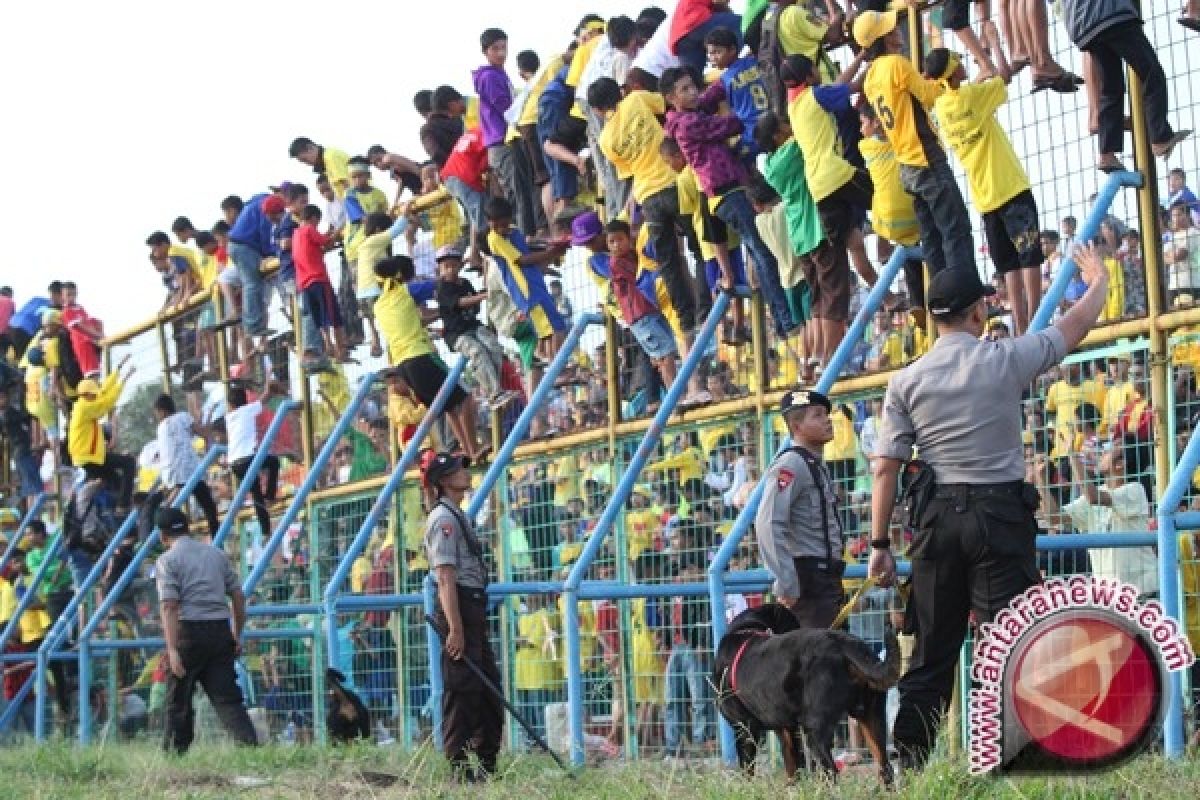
(1108, 167)
(1165, 149)
(1063, 83)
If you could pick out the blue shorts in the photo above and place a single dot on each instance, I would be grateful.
(713, 271)
(655, 336)
(321, 304)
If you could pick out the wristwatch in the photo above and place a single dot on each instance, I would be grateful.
(881, 544)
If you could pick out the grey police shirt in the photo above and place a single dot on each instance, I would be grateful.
(788, 523)
(197, 575)
(446, 544)
(960, 405)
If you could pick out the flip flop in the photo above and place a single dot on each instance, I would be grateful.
(1109, 169)
(1063, 83)
(1169, 146)
(1191, 23)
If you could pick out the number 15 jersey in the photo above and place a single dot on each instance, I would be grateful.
(902, 99)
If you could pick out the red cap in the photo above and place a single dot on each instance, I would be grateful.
(273, 205)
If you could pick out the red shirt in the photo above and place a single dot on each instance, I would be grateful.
(468, 160)
(633, 304)
(75, 318)
(308, 253)
(689, 15)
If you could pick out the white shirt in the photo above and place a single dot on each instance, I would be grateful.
(334, 213)
(179, 460)
(1129, 513)
(241, 430)
(600, 65)
(656, 56)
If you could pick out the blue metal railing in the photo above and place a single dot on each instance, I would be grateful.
(380, 508)
(29, 517)
(114, 594)
(310, 481)
(248, 480)
(613, 509)
(31, 588)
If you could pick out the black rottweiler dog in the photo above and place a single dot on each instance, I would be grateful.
(347, 718)
(772, 675)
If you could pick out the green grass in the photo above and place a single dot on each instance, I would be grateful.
(141, 772)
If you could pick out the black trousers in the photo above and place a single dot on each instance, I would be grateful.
(117, 468)
(207, 650)
(974, 551)
(1113, 49)
(472, 716)
(821, 593)
(262, 502)
(660, 211)
(208, 505)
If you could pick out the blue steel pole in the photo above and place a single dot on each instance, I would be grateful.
(310, 482)
(264, 450)
(31, 589)
(1168, 583)
(536, 401)
(741, 525)
(380, 508)
(615, 504)
(434, 643)
(1089, 231)
(29, 517)
(118, 589)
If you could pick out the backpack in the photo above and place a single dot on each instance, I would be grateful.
(84, 526)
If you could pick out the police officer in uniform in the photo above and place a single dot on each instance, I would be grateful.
(472, 716)
(971, 512)
(798, 528)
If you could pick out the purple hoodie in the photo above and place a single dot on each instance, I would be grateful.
(702, 136)
(495, 98)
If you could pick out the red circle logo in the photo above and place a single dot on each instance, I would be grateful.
(1086, 689)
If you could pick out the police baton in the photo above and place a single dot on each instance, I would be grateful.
(494, 689)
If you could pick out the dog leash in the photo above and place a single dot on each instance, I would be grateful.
(866, 585)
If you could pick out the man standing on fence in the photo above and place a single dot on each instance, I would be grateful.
(971, 511)
(472, 715)
(798, 528)
(193, 581)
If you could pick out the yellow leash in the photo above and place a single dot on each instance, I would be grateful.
(864, 587)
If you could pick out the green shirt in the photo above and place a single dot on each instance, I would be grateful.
(785, 172)
(57, 579)
(365, 460)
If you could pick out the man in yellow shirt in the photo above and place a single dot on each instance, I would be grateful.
(1120, 394)
(86, 443)
(802, 33)
(631, 140)
(1000, 188)
(333, 164)
(901, 99)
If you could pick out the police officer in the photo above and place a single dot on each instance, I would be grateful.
(971, 512)
(193, 581)
(472, 716)
(798, 528)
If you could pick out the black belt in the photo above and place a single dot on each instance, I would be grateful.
(206, 622)
(949, 491)
(835, 566)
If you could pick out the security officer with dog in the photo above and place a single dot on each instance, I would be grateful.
(472, 715)
(798, 528)
(971, 513)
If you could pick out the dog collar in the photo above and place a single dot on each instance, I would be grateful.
(737, 657)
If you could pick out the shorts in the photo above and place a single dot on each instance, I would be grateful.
(827, 271)
(713, 271)
(230, 277)
(956, 15)
(533, 151)
(425, 375)
(799, 300)
(321, 304)
(846, 209)
(654, 335)
(1013, 239)
(712, 229)
(527, 342)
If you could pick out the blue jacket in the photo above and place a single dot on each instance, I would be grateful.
(29, 317)
(252, 227)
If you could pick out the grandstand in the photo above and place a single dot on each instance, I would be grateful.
(620, 530)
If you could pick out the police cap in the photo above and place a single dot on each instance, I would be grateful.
(803, 398)
(954, 289)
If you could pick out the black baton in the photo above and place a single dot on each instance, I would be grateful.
(494, 689)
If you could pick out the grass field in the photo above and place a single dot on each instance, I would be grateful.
(141, 772)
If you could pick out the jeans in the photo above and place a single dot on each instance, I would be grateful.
(309, 332)
(736, 212)
(687, 683)
(660, 211)
(254, 305)
(207, 651)
(616, 191)
(472, 202)
(942, 215)
(1113, 49)
(691, 47)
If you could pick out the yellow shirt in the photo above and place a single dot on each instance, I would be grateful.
(630, 140)
(844, 445)
(445, 217)
(892, 214)
(967, 119)
(661, 296)
(85, 439)
(640, 527)
(920, 342)
(334, 387)
(565, 470)
(534, 669)
(1189, 561)
(398, 315)
(371, 250)
(690, 463)
(901, 99)
(587, 629)
(801, 32)
(190, 256)
(337, 169)
(373, 201)
(824, 167)
(1115, 400)
(209, 269)
(530, 108)
(711, 437)
(689, 204)
(583, 54)
(359, 573)
(1062, 399)
(1114, 303)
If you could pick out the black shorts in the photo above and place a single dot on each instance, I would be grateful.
(533, 150)
(426, 374)
(1013, 234)
(712, 229)
(846, 209)
(956, 15)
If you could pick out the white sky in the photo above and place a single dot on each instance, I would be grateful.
(120, 117)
